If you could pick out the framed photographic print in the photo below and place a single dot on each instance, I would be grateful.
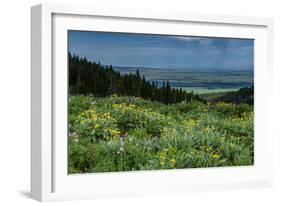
(135, 102)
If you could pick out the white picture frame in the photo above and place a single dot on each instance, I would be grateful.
(49, 179)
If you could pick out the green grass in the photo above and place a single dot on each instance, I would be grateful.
(130, 133)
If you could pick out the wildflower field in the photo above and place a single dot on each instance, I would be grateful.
(122, 133)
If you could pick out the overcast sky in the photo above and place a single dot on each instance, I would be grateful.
(162, 51)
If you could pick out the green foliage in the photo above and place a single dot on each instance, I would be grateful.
(130, 133)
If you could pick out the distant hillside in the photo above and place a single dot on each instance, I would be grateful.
(243, 95)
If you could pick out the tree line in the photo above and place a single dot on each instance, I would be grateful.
(91, 78)
(244, 95)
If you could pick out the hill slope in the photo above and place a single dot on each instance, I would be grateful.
(243, 95)
(130, 133)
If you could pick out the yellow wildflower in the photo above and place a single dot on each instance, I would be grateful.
(115, 105)
(216, 156)
(208, 148)
(173, 162)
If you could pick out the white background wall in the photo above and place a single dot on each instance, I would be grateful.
(15, 101)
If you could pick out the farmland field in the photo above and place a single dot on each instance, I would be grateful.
(130, 133)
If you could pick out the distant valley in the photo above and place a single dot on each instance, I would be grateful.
(198, 81)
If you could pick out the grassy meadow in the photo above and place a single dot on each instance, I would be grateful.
(123, 133)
